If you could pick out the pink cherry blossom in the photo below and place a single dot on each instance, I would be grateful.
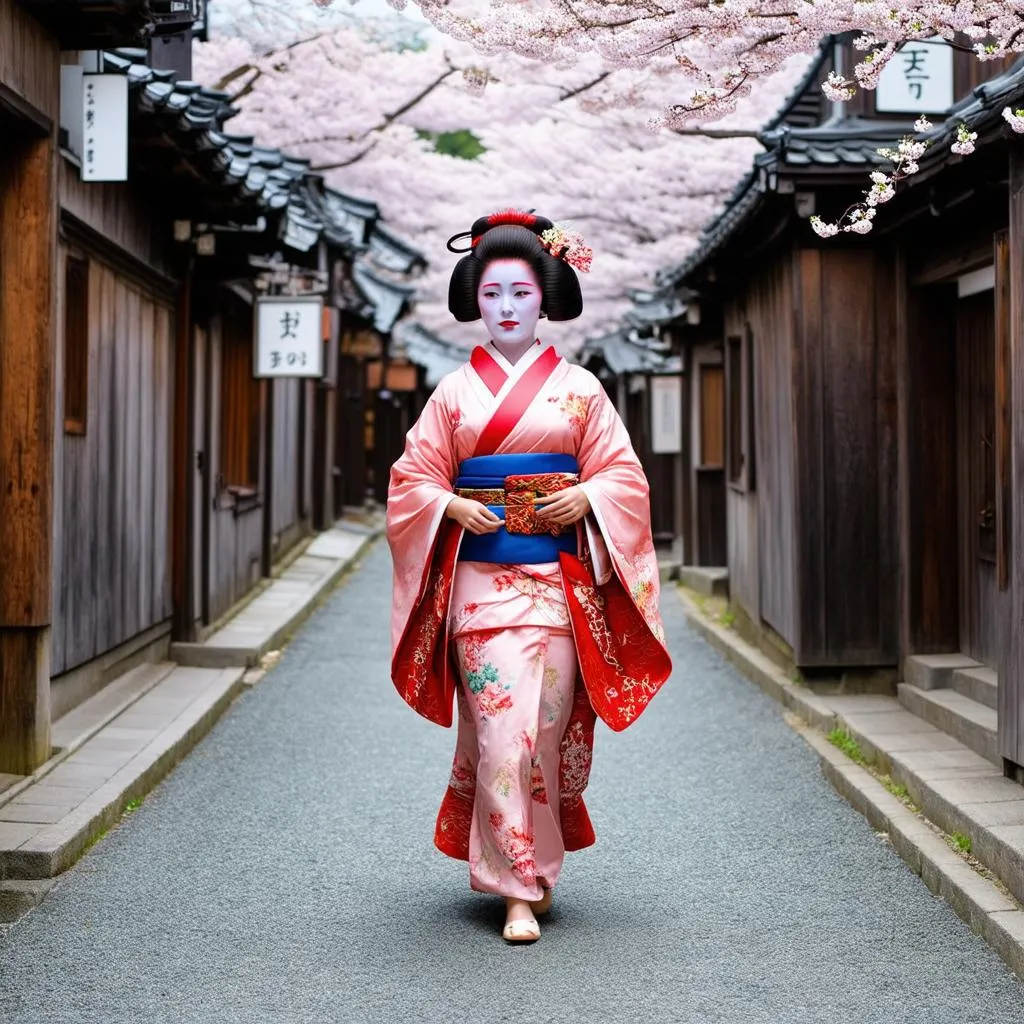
(569, 139)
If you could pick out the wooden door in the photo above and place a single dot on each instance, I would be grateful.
(982, 604)
(710, 474)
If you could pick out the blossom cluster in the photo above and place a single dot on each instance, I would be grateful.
(905, 159)
(721, 49)
(569, 246)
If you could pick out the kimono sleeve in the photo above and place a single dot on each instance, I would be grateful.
(619, 495)
(420, 491)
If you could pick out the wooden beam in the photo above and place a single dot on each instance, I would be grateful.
(1003, 438)
(183, 468)
(29, 119)
(1011, 661)
(28, 243)
(948, 266)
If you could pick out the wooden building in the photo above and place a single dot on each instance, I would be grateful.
(627, 361)
(871, 465)
(152, 479)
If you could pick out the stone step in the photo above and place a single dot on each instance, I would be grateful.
(935, 671)
(954, 787)
(713, 582)
(967, 721)
(79, 723)
(979, 684)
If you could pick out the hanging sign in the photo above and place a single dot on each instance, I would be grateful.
(289, 337)
(667, 414)
(918, 79)
(104, 128)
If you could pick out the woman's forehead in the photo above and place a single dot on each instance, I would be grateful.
(509, 272)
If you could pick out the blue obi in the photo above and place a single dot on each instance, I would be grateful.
(488, 473)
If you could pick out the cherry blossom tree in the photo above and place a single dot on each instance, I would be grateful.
(718, 50)
(571, 140)
(721, 46)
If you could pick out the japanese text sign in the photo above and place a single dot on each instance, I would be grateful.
(104, 128)
(917, 80)
(289, 337)
(667, 414)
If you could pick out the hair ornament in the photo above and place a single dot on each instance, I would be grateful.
(568, 246)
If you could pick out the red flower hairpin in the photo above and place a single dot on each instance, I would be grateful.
(569, 246)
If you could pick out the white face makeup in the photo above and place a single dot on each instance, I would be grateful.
(510, 299)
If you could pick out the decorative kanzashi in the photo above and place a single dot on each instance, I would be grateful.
(568, 245)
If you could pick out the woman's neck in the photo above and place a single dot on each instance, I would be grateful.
(513, 353)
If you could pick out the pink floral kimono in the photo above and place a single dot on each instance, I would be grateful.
(533, 652)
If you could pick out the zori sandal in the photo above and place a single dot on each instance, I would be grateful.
(521, 931)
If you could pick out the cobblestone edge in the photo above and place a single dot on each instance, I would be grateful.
(922, 846)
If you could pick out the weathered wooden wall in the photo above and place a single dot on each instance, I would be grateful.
(762, 523)
(844, 440)
(290, 455)
(117, 211)
(112, 483)
(29, 59)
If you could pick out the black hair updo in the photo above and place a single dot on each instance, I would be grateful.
(512, 235)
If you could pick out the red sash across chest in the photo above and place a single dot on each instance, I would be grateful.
(516, 402)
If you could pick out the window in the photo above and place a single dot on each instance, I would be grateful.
(712, 416)
(240, 405)
(76, 343)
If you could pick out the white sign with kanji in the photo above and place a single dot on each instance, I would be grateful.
(104, 136)
(917, 80)
(667, 414)
(289, 337)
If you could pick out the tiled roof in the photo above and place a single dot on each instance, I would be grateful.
(424, 348)
(623, 351)
(232, 176)
(849, 147)
(389, 299)
(650, 308)
(391, 253)
(228, 170)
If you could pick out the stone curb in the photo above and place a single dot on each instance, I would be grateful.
(207, 655)
(977, 901)
(57, 848)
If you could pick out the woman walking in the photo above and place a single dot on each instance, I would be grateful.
(525, 582)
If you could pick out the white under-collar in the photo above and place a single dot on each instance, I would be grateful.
(525, 360)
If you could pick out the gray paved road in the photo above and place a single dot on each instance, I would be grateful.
(285, 873)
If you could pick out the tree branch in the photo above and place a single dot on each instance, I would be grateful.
(346, 163)
(583, 88)
(720, 133)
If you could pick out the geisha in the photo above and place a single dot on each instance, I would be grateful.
(525, 577)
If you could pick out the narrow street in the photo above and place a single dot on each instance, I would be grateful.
(285, 873)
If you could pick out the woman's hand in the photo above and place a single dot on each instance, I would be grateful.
(563, 507)
(473, 516)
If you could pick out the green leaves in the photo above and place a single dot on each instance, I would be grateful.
(461, 143)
